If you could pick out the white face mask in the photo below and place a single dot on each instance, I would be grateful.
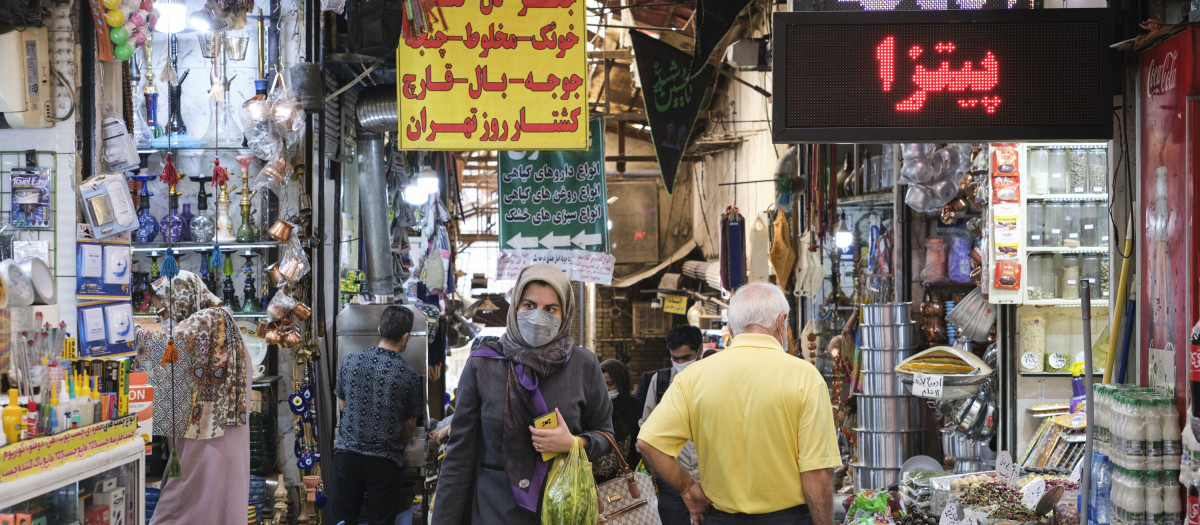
(613, 394)
(680, 366)
(537, 327)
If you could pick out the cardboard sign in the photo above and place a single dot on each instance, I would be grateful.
(675, 304)
(929, 386)
(1033, 492)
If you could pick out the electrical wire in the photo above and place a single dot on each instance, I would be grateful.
(70, 90)
(1129, 189)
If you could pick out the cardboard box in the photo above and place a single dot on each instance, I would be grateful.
(115, 501)
(141, 402)
(97, 515)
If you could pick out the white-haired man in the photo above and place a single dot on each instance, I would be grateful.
(761, 421)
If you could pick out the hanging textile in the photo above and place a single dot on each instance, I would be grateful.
(733, 249)
(760, 247)
(783, 257)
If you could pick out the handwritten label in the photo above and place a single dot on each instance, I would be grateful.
(590, 267)
(949, 514)
(1030, 361)
(1058, 361)
(1005, 467)
(675, 304)
(1033, 492)
(929, 386)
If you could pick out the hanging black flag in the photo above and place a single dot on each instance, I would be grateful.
(714, 18)
(672, 98)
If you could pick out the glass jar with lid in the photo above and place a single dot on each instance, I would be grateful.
(1059, 171)
(1070, 223)
(1089, 271)
(1035, 213)
(1098, 170)
(1041, 281)
(1039, 172)
(1087, 225)
(1102, 224)
(1079, 182)
(1052, 232)
(1105, 275)
(1068, 277)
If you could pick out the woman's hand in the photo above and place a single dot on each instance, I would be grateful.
(437, 437)
(556, 440)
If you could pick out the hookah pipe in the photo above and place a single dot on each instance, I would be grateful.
(246, 232)
(151, 92)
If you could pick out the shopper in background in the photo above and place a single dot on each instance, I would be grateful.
(625, 417)
(493, 472)
(203, 403)
(379, 398)
(683, 346)
(753, 393)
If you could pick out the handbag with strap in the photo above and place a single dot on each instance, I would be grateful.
(629, 498)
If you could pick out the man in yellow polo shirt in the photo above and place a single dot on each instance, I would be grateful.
(761, 421)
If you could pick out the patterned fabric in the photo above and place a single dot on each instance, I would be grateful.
(381, 391)
(205, 390)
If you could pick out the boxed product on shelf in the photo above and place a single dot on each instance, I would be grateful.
(106, 328)
(103, 269)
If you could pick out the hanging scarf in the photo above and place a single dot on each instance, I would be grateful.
(523, 399)
(733, 249)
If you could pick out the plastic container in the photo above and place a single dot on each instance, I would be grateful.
(1040, 281)
(1071, 219)
(1052, 232)
(1079, 182)
(1039, 172)
(1059, 172)
(1068, 277)
(1032, 338)
(1171, 435)
(1102, 224)
(1098, 170)
(1089, 271)
(1035, 221)
(1087, 225)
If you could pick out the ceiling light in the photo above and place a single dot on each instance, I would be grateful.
(172, 17)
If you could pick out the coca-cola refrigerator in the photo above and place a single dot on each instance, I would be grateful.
(1166, 237)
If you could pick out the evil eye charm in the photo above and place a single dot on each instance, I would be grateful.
(306, 462)
(307, 390)
(297, 403)
(316, 456)
(310, 416)
(321, 499)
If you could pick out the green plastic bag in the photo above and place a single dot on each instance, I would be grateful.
(570, 497)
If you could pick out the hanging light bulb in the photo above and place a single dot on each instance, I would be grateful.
(415, 195)
(844, 238)
(172, 16)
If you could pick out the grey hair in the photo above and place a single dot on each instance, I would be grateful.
(756, 304)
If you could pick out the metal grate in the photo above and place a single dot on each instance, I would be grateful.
(19, 159)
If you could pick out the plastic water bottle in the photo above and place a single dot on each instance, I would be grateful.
(1100, 502)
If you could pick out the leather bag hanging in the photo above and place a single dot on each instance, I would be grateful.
(629, 498)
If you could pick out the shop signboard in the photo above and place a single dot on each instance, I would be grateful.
(37, 455)
(500, 76)
(554, 209)
(938, 76)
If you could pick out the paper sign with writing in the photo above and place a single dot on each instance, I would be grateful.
(1005, 467)
(590, 267)
(949, 514)
(1077, 472)
(1033, 492)
(675, 304)
(38, 455)
(501, 76)
(929, 386)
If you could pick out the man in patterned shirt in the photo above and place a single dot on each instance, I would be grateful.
(380, 398)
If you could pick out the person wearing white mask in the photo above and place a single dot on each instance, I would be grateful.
(683, 345)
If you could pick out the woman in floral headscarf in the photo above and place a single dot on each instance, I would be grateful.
(201, 403)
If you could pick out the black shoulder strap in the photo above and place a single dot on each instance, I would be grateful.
(661, 385)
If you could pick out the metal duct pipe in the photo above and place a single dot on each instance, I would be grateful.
(372, 208)
(377, 110)
(705, 271)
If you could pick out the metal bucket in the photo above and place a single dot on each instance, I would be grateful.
(889, 336)
(880, 413)
(883, 384)
(886, 313)
(306, 83)
(874, 478)
(887, 449)
(882, 361)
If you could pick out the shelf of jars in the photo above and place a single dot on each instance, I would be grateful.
(1080, 250)
(1068, 197)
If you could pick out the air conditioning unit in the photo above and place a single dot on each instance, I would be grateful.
(649, 323)
(25, 99)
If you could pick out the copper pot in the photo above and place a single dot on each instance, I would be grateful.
(292, 269)
(274, 276)
(281, 230)
(274, 337)
(302, 312)
(292, 339)
(263, 328)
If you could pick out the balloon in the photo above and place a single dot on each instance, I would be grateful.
(138, 38)
(147, 5)
(123, 51)
(114, 18)
(118, 35)
(112, 4)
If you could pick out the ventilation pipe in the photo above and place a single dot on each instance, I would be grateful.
(373, 121)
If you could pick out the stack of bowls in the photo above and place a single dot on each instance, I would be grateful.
(889, 420)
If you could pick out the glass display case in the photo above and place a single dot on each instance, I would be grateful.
(105, 488)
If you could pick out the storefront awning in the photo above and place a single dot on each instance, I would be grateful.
(683, 251)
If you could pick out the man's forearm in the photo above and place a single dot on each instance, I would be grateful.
(665, 467)
(410, 427)
(818, 494)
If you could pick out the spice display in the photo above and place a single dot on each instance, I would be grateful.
(1032, 336)
(1068, 281)
(1079, 171)
(1090, 272)
(1013, 511)
(990, 493)
(1087, 224)
(1104, 276)
(969, 482)
(1098, 170)
(917, 517)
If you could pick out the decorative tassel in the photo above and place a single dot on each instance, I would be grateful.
(168, 75)
(169, 175)
(170, 267)
(217, 261)
(172, 353)
(173, 469)
(220, 175)
(217, 93)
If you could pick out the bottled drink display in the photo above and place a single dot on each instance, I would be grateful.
(1137, 433)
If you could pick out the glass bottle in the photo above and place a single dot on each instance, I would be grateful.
(1039, 172)
(1087, 225)
(1071, 223)
(1052, 232)
(1041, 277)
(1059, 168)
(172, 223)
(147, 225)
(187, 222)
(1036, 221)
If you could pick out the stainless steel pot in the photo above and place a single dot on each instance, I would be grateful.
(886, 313)
(964, 466)
(889, 336)
(956, 445)
(889, 413)
(871, 477)
(882, 361)
(883, 384)
(887, 449)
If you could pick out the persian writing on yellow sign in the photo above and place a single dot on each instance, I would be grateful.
(33, 456)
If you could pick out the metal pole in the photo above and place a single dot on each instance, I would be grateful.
(1085, 294)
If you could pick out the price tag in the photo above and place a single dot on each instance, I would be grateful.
(1089, 226)
(1058, 361)
(1033, 492)
(949, 515)
(1005, 467)
(1030, 361)
(929, 386)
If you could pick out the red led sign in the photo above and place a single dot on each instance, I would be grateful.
(984, 75)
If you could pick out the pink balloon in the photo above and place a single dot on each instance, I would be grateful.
(138, 38)
(137, 18)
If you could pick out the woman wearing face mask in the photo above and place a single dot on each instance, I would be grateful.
(626, 413)
(202, 404)
(493, 472)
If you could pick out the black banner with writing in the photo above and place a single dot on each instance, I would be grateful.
(672, 98)
(713, 20)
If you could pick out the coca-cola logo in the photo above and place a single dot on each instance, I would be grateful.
(1193, 511)
(1160, 79)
